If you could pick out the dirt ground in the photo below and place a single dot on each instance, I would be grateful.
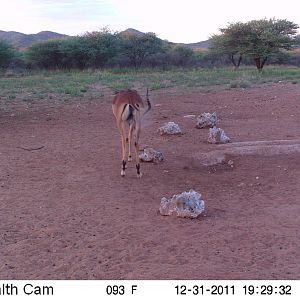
(66, 213)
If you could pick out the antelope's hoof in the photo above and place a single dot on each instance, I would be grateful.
(122, 173)
(129, 158)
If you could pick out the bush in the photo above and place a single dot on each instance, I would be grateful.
(6, 54)
(294, 58)
(92, 50)
(74, 53)
(182, 56)
(139, 48)
(45, 55)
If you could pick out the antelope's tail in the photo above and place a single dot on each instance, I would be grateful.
(148, 103)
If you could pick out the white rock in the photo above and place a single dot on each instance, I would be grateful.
(230, 163)
(151, 155)
(185, 205)
(217, 136)
(206, 120)
(169, 128)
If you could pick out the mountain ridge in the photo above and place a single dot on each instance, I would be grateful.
(22, 41)
(194, 46)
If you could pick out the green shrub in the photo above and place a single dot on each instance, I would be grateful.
(6, 54)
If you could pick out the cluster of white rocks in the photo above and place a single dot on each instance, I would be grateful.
(187, 204)
(215, 135)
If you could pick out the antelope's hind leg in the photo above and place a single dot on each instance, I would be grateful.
(129, 140)
(123, 143)
(137, 149)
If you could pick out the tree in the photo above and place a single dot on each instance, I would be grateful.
(91, 50)
(257, 39)
(268, 37)
(138, 48)
(231, 42)
(182, 56)
(101, 46)
(75, 53)
(45, 54)
(6, 54)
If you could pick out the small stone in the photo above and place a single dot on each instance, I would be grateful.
(169, 128)
(230, 163)
(151, 155)
(217, 136)
(206, 120)
(186, 205)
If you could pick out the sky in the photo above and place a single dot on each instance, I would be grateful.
(185, 21)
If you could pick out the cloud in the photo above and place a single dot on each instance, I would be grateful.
(64, 16)
(177, 21)
(74, 10)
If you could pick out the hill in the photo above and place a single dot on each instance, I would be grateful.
(21, 40)
(194, 46)
(131, 31)
(199, 45)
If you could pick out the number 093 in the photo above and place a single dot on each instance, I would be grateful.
(115, 290)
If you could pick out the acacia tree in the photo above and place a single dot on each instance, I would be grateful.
(257, 39)
(231, 42)
(268, 37)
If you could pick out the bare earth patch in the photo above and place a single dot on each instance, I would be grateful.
(66, 213)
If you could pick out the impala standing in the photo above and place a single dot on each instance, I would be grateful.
(128, 108)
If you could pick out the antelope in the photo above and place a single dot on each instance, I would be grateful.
(127, 107)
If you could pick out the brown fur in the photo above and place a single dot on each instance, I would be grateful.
(128, 97)
(123, 113)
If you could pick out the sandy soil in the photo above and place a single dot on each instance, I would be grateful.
(66, 213)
